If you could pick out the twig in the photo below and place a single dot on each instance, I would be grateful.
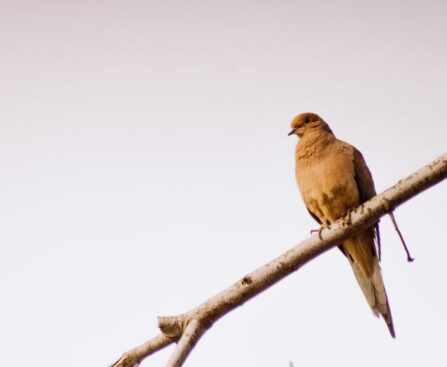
(396, 227)
(134, 356)
(188, 340)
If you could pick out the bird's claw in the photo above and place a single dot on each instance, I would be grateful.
(319, 230)
(347, 218)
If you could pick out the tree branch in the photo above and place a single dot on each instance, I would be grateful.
(189, 338)
(134, 356)
(187, 328)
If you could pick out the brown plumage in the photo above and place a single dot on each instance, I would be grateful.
(333, 177)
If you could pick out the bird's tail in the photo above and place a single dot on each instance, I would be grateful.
(366, 269)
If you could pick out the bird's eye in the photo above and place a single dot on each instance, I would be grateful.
(306, 121)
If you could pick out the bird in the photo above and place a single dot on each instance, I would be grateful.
(333, 179)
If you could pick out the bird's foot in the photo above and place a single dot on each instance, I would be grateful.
(346, 222)
(319, 230)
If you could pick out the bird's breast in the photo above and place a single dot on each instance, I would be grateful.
(327, 185)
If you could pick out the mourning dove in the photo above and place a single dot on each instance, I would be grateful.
(333, 178)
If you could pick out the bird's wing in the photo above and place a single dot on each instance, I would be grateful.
(363, 178)
(365, 186)
(313, 215)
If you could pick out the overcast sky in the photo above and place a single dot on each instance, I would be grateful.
(145, 166)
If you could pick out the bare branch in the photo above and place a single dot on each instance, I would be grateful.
(134, 356)
(188, 327)
(188, 340)
(396, 227)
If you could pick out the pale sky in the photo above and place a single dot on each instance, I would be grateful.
(146, 166)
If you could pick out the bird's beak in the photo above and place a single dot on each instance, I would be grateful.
(292, 132)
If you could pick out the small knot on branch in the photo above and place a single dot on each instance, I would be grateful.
(172, 326)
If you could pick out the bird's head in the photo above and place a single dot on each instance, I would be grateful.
(307, 122)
